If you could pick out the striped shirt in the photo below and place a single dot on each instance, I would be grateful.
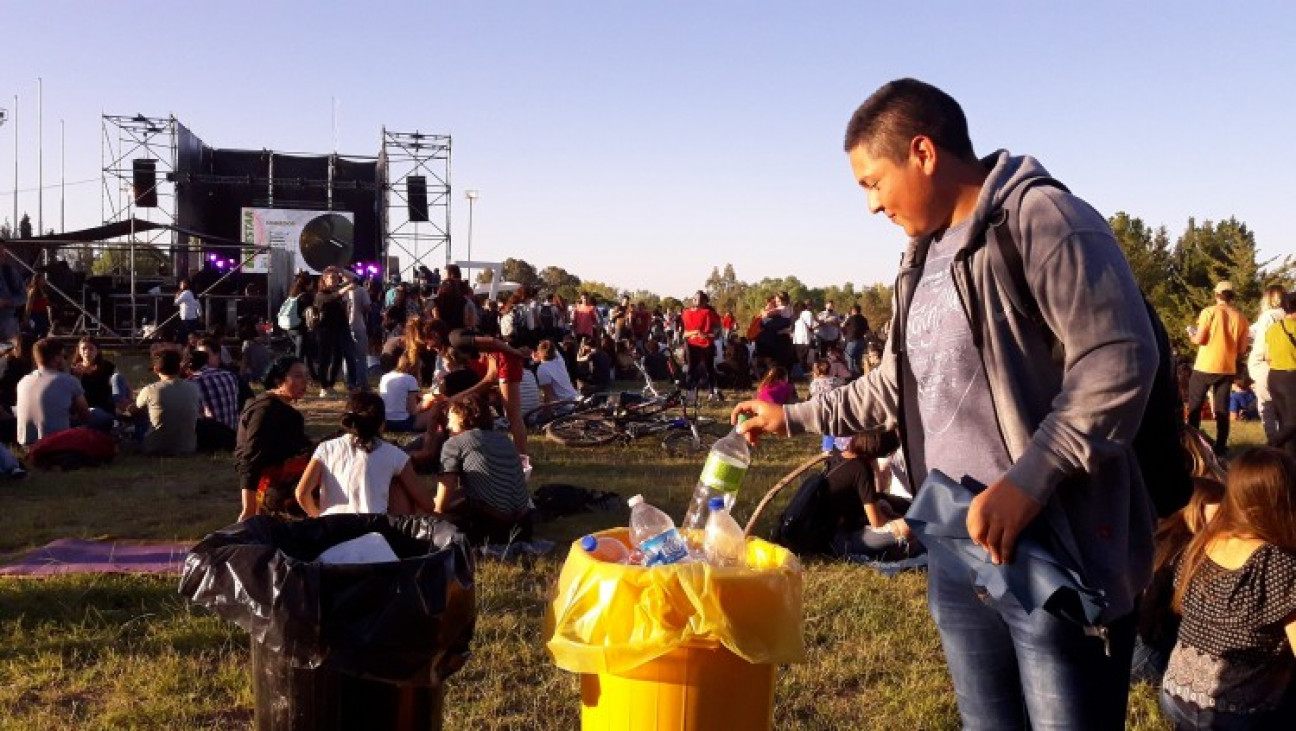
(489, 469)
(220, 395)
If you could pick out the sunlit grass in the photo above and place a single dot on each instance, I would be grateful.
(109, 652)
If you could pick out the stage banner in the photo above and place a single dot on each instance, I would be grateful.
(318, 239)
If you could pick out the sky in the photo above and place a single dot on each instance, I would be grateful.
(641, 144)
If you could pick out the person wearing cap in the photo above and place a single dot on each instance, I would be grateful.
(1221, 336)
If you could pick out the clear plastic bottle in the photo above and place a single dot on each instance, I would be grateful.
(653, 532)
(607, 550)
(721, 476)
(724, 542)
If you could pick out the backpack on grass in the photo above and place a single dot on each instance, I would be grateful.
(1159, 442)
(807, 524)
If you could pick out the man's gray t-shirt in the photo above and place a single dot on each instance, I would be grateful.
(45, 399)
(173, 408)
(945, 383)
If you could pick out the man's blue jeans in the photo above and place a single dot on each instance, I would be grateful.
(854, 352)
(1014, 670)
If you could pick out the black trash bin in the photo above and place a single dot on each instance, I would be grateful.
(342, 646)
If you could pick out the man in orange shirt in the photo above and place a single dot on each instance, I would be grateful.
(1221, 333)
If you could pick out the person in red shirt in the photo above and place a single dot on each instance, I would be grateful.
(727, 324)
(701, 326)
(640, 324)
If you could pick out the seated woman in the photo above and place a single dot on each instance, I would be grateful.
(401, 396)
(870, 522)
(358, 472)
(270, 434)
(481, 487)
(101, 383)
(776, 388)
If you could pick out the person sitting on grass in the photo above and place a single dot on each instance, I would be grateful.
(173, 404)
(482, 488)
(49, 401)
(270, 434)
(1243, 405)
(551, 375)
(359, 472)
(1235, 587)
(219, 390)
(401, 396)
(870, 522)
(100, 379)
(775, 387)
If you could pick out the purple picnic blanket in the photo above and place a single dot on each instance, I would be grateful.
(74, 556)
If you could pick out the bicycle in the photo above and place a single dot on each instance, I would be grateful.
(684, 434)
(648, 400)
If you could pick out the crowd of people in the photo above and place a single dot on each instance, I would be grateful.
(957, 384)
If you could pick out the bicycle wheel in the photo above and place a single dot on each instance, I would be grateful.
(680, 443)
(578, 430)
(542, 415)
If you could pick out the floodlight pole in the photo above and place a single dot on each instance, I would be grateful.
(4, 117)
(471, 195)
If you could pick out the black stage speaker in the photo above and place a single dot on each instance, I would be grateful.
(416, 197)
(144, 181)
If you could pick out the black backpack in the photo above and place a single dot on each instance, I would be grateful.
(1158, 444)
(808, 522)
(548, 323)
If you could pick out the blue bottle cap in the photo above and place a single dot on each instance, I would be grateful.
(589, 543)
(716, 503)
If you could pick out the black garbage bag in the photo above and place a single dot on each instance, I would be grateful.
(407, 622)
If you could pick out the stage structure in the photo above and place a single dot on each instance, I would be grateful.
(417, 200)
(239, 224)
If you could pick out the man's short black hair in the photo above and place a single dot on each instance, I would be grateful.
(904, 109)
(167, 362)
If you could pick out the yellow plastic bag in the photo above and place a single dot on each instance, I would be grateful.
(611, 618)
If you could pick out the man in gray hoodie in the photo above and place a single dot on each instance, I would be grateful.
(981, 392)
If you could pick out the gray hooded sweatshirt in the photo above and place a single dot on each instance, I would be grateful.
(1066, 423)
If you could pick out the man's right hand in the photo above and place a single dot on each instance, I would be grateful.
(763, 417)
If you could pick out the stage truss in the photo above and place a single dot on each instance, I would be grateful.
(427, 243)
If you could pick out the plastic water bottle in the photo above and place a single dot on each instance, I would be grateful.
(653, 532)
(607, 550)
(722, 475)
(724, 543)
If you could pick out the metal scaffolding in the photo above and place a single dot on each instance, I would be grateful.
(406, 155)
(125, 140)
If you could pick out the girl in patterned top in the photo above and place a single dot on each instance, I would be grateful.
(1232, 666)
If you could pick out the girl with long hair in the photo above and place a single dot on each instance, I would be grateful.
(356, 472)
(271, 433)
(775, 387)
(1232, 666)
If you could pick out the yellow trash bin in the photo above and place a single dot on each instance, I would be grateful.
(686, 646)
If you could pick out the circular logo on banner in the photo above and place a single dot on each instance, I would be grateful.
(327, 240)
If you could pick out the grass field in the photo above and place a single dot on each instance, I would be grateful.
(110, 652)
